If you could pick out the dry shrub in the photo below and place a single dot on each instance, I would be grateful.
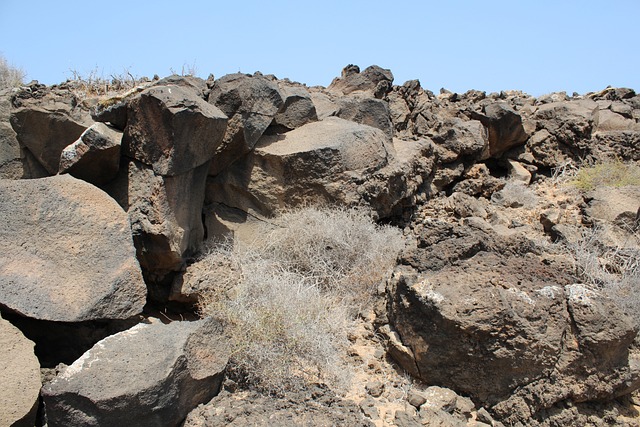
(298, 291)
(613, 173)
(613, 268)
(10, 76)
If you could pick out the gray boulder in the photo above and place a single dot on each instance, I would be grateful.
(172, 129)
(504, 126)
(316, 162)
(456, 139)
(19, 378)
(367, 111)
(95, 156)
(165, 213)
(47, 123)
(66, 252)
(150, 375)
(375, 80)
(298, 108)
(10, 164)
(251, 103)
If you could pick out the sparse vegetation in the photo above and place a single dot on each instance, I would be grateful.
(613, 173)
(94, 83)
(299, 289)
(10, 76)
(612, 268)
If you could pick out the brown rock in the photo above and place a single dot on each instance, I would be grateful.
(45, 124)
(150, 375)
(250, 103)
(66, 252)
(165, 213)
(171, 129)
(19, 378)
(95, 156)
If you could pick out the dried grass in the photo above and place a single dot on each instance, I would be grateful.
(299, 291)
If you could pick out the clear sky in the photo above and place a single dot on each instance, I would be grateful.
(538, 46)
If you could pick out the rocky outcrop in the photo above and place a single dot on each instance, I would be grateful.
(171, 129)
(19, 378)
(251, 103)
(46, 121)
(95, 156)
(66, 252)
(150, 375)
(10, 163)
(297, 110)
(524, 336)
(164, 212)
(331, 161)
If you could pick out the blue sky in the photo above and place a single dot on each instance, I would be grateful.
(536, 46)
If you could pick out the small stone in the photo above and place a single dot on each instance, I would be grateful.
(484, 416)
(375, 388)
(416, 398)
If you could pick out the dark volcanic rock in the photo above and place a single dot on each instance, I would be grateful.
(171, 129)
(487, 318)
(95, 156)
(66, 252)
(251, 103)
(149, 375)
(19, 378)
(45, 124)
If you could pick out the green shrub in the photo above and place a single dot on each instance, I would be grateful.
(299, 289)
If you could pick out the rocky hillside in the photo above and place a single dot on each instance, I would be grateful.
(512, 302)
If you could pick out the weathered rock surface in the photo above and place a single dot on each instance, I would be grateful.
(150, 375)
(19, 378)
(317, 408)
(95, 156)
(504, 126)
(523, 338)
(172, 129)
(46, 122)
(367, 111)
(614, 205)
(164, 211)
(10, 164)
(297, 110)
(66, 252)
(375, 80)
(251, 103)
(309, 163)
(332, 161)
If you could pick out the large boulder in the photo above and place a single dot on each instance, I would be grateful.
(172, 129)
(10, 164)
(504, 127)
(374, 80)
(569, 125)
(150, 375)
(367, 111)
(46, 122)
(297, 110)
(460, 139)
(19, 378)
(66, 252)
(320, 162)
(165, 213)
(251, 103)
(524, 337)
(95, 156)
